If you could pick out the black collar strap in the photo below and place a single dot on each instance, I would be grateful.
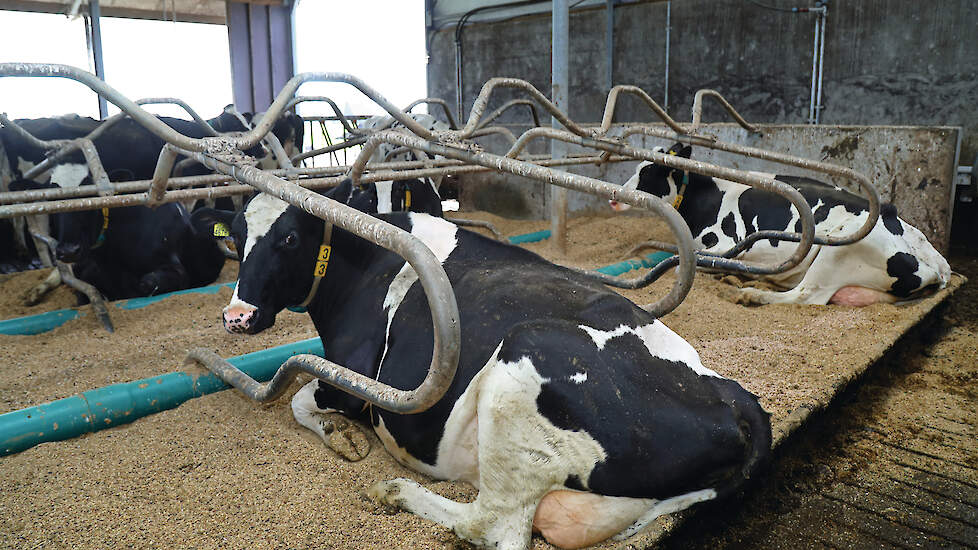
(105, 225)
(319, 271)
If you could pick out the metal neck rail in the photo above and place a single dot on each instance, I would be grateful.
(640, 199)
(131, 193)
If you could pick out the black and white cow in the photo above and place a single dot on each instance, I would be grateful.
(573, 411)
(385, 197)
(893, 262)
(127, 150)
(134, 251)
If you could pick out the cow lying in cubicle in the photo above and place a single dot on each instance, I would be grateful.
(573, 411)
(894, 262)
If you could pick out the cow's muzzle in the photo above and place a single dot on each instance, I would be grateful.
(240, 319)
(619, 206)
(68, 252)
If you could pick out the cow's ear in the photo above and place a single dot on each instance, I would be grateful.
(686, 151)
(213, 222)
(675, 149)
(342, 192)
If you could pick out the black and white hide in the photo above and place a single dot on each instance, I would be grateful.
(893, 262)
(573, 411)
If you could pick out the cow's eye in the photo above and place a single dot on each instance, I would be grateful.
(289, 240)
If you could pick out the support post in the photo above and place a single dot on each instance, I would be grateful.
(95, 30)
(261, 40)
(609, 37)
(558, 150)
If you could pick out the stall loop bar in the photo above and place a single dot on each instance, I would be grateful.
(119, 404)
(212, 144)
(674, 221)
(434, 282)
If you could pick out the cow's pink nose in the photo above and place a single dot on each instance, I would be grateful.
(618, 206)
(237, 318)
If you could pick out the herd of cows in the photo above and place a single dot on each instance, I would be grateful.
(574, 412)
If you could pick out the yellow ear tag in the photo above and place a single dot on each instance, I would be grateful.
(221, 230)
(672, 153)
(677, 201)
(322, 260)
(407, 199)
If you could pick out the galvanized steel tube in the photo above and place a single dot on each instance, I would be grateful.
(687, 259)
(437, 289)
(698, 110)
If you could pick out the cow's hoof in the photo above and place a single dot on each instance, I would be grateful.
(32, 297)
(348, 441)
(149, 284)
(388, 492)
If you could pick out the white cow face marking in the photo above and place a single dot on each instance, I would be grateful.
(262, 212)
(69, 176)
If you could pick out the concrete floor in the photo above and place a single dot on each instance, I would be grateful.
(894, 465)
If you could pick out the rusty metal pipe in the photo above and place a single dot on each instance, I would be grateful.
(698, 111)
(509, 105)
(612, 103)
(482, 100)
(435, 101)
(434, 281)
(131, 193)
(687, 260)
(214, 144)
(339, 114)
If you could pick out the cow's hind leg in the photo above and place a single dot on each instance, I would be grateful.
(522, 456)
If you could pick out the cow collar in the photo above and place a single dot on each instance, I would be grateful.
(100, 240)
(319, 271)
(682, 190)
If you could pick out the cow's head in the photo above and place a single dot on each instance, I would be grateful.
(656, 179)
(281, 248)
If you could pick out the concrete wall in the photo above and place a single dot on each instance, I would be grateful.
(911, 167)
(887, 62)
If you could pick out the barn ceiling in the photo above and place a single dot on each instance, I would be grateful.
(193, 11)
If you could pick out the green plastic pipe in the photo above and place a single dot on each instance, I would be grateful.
(117, 404)
(530, 237)
(623, 267)
(43, 322)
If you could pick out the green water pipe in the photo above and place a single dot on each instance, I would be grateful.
(117, 404)
(43, 322)
(530, 237)
(647, 261)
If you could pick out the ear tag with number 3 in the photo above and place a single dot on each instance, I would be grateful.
(322, 260)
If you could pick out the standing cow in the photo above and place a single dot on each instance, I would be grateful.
(575, 412)
(893, 262)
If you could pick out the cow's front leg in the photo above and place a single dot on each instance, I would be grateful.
(165, 279)
(337, 433)
(38, 291)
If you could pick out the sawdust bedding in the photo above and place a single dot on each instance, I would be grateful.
(224, 472)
